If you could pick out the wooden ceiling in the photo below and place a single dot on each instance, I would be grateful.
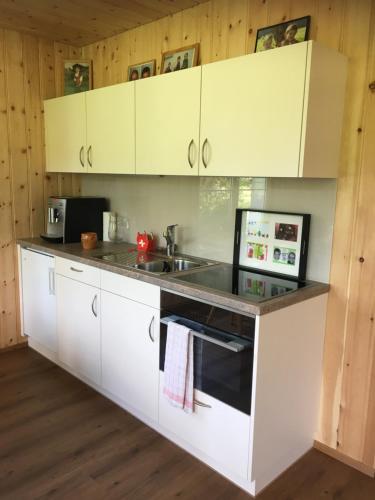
(81, 22)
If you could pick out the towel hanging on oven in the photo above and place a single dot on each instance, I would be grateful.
(179, 367)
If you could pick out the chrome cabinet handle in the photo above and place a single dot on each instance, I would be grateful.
(149, 329)
(81, 156)
(203, 151)
(89, 156)
(189, 153)
(199, 403)
(51, 281)
(93, 306)
(76, 270)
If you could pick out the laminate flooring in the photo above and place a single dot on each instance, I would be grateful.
(60, 439)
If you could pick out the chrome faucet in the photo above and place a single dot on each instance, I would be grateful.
(170, 236)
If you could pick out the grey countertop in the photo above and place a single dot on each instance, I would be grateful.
(75, 252)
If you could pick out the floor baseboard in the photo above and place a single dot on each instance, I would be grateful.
(20, 345)
(361, 467)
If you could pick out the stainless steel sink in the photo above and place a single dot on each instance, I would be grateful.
(169, 265)
(154, 263)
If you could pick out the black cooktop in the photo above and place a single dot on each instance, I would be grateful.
(243, 283)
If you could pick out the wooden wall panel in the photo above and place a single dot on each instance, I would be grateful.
(227, 28)
(30, 69)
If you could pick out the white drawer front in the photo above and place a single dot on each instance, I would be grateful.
(221, 432)
(77, 271)
(131, 288)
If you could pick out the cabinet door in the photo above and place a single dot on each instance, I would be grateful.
(130, 352)
(78, 327)
(38, 298)
(65, 133)
(111, 129)
(214, 428)
(251, 114)
(167, 123)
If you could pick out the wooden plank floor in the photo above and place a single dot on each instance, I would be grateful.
(60, 439)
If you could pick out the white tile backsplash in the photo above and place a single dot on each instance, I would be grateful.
(204, 209)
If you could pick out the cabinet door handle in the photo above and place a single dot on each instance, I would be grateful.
(89, 156)
(199, 403)
(203, 152)
(51, 281)
(93, 306)
(81, 156)
(189, 153)
(149, 329)
(76, 270)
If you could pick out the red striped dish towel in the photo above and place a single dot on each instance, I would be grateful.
(179, 367)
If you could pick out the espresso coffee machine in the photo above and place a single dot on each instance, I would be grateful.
(68, 217)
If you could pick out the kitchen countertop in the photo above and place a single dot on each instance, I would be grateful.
(75, 252)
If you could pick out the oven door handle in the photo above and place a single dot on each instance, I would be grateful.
(232, 345)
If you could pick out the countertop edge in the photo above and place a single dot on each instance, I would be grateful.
(76, 253)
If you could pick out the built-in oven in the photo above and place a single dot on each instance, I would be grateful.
(223, 347)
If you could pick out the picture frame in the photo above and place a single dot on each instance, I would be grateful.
(178, 59)
(274, 243)
(141, 70)
(283, 34)
(77, 76)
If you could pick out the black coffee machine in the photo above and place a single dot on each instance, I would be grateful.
(68, 217)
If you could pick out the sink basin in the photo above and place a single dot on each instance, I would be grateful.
(185, 265)
(156, 266)
(154, 263)
(168, 266)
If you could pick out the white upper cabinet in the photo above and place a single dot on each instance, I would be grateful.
(167, 123)
(92, 131)
(65, 133)
(276, 113)
(273, 114)
(111, 130)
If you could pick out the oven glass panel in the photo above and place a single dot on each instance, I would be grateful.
(221, 373)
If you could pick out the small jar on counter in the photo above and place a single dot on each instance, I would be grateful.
(89, 241)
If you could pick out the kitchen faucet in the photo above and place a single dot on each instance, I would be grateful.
(170, 236)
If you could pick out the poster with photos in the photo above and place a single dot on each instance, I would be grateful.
(275, 242)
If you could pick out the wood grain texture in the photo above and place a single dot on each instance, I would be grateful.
(228, 28)
(61, 439)
(29, 70)
(81, 22)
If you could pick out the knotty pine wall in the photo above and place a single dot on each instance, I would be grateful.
(30, 70)
(227, 28)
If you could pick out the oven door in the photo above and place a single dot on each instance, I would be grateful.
(223, 362)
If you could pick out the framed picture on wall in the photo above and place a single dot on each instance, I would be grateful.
(272, 242)
(280, 35)
(77, 76)
(141, 70)
(183, 58)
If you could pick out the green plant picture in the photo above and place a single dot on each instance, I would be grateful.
(77, 76)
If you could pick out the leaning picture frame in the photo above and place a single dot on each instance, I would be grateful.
(274, 243)
(178, 59)
(77, 76)
(141, 70)
(283, 34)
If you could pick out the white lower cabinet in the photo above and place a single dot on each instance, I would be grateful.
(130, 352)
(78, 327)
(38, 298)
(216, 429)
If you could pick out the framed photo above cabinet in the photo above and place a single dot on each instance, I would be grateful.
(183, 58)
(77, 76)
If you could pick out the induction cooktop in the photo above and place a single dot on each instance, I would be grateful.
(256, 287)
